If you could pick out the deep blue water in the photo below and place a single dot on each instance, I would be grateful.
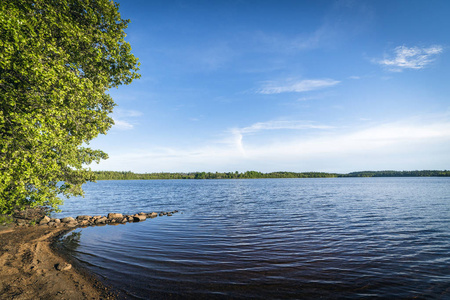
(270, 238)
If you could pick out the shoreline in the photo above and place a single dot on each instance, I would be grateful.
(32, 265)
(29, 264)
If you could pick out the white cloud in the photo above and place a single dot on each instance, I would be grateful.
(121, 118)
(411, 58)
(239, 133)
(297, 87)
(277, 125)
(422, 143)
(122, 125)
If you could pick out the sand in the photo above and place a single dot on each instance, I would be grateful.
(28, 268)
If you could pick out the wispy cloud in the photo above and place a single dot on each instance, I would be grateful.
(122, 125)
(288, 44)
(239, 133)
(298, 86)
(419, 143)
(411, 58)
(122, 118)
(127, 113)
(277, 125)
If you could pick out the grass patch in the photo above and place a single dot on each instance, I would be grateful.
(6, 219)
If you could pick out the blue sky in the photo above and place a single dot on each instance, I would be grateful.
(335, 86)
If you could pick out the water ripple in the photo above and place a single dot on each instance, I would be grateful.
(271, 239)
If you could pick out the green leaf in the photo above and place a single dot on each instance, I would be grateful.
(58, 58)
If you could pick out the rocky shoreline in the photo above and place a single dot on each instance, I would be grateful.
(31, 269)
(86, 220)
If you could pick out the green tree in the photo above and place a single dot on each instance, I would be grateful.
(58, 58)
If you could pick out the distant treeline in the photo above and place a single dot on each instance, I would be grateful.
(115, 175)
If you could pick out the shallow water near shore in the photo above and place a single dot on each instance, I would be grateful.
(270, 238)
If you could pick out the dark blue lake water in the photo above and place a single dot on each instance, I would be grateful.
(270, 238)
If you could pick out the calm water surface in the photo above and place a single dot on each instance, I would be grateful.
(270, 238)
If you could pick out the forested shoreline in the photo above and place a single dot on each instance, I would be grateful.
(128, 175)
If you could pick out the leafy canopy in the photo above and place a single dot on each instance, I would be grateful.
(58, 58)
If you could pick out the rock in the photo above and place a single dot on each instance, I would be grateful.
(114, 216)
(130, 219)
(51, 223)
(169, 214)
(44, 220)
(124, 220)
(57, 221)
(101, 220)
(161, 214)
(21, 222)
(153, 215)
(83, 218)
(63, 266)
(83, 223)
(138, 218)
(71, 224)
(67, 220)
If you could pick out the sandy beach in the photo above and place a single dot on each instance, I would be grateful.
(31, 269)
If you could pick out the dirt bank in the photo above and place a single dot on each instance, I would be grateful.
(29, 268)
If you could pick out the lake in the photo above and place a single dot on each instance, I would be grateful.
(334, 238)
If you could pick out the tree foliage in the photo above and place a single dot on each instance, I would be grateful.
(58, 58)
(116, 175)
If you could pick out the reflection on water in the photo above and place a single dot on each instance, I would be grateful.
(331, 238)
